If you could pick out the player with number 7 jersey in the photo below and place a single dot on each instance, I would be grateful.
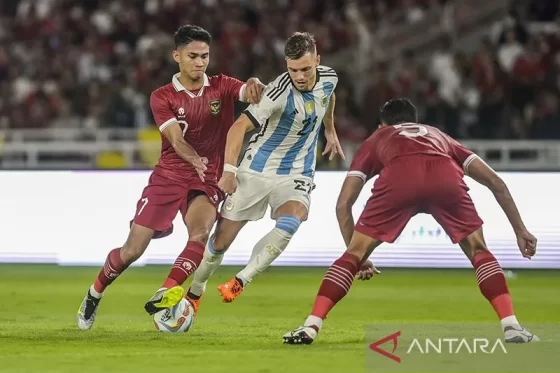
(193, 112)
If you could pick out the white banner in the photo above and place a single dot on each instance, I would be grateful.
(76, 217)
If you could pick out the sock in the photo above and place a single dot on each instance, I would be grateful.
(186, 263)
(269, 248)
(335, 286)
(492, 283)
(112, 268)
(314, 322)
(94, 293)
(210, 262)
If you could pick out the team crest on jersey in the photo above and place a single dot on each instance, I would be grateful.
(215, 106)
(324, 101)
(309, 107)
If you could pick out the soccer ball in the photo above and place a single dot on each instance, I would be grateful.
(175, 319)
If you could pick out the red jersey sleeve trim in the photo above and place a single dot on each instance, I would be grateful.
(467, 162)
(242, 93)
(359, 174)
(167, 123)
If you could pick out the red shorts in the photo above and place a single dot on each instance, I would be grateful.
(419, 184)
(163, 198)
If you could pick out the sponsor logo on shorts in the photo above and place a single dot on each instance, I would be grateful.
(324, 101)
(215, 106)
(181, 112)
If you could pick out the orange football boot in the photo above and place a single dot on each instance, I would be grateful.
(230, 290)
(195, 303)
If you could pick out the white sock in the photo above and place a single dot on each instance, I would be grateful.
(510, 321)
(269, 248)
(94, 293)
(209, 264)
(314, 321)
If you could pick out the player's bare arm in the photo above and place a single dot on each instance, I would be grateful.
(253, 91)
(236, 134)
(175, 137)
(348, 195)
(333, 145)
(486, 176)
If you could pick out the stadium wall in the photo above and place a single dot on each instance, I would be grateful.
(76, 217)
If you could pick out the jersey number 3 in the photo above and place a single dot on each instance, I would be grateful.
(412, 130)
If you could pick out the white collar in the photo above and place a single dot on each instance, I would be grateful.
(179, 87)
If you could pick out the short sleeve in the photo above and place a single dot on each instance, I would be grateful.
(460, 154)
(161, 110)
(365, 164)
(233, 88)
(271, 100)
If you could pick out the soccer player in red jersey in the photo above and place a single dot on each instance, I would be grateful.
(402, 150)
(194, 113)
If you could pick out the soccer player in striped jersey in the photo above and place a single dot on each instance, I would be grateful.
(278, 166)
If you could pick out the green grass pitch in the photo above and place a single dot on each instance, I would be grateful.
(39, 303)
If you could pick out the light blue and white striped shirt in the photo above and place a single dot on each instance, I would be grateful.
(289, 122)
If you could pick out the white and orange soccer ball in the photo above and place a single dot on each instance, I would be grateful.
(176, 319)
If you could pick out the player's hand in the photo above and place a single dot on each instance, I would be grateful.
(527, 244)
(199, 164)
(228, 183)
(333, 145)
(253, 91)
(367, 270)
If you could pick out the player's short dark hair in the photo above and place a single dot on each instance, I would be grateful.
(299, 44)
(398, 110)
(188, 33)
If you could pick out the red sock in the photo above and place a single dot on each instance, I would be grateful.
(492, 283)
(336, 284)
(187, 262)
(113, 267)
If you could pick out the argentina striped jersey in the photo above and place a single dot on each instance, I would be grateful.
(289, 121)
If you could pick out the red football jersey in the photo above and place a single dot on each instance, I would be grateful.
(205, 117)
(407, 139)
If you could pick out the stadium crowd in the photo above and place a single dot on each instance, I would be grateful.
(92, 63)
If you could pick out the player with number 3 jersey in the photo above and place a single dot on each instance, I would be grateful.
(420, 170)
(278, 166)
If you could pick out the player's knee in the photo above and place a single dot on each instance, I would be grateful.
(136, 244)
(130, 252)
(473, 244)
(217, 244)
(288, 225)
(199, 234)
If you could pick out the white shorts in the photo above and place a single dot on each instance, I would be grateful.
(255, 192)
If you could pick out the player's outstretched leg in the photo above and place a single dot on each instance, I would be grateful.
(226, 231)
(117, 261)
(335, 286)
(493, 286)
(199, 219)
(264, 253)
(288, 216)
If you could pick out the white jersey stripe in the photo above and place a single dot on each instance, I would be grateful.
(290, 122)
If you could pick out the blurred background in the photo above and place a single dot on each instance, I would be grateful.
(76, 75)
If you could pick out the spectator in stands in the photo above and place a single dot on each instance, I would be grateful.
(85, 65)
